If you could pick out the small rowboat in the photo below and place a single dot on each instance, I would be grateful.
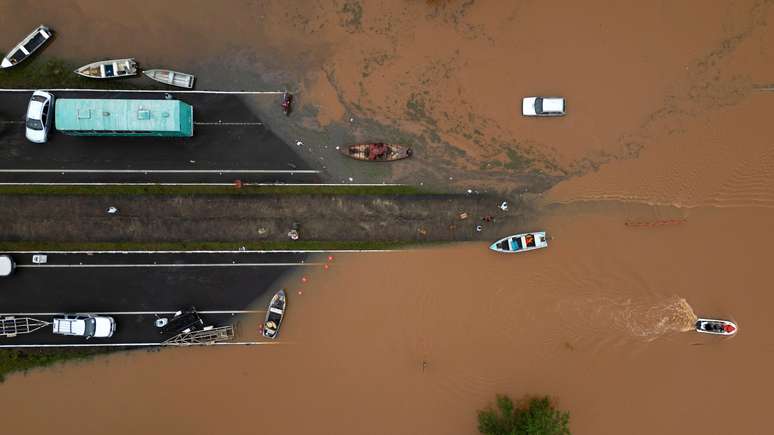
(377, 152)
(109, 69)
(274, 315)
(716, 327)
(169, 77)
(520, 243)
(29, 45)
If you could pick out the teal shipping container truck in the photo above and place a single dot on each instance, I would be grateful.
(116, 117)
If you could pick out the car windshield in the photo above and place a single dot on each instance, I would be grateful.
(34, 124)
(91, 326)
(538, 105)
(39, 98)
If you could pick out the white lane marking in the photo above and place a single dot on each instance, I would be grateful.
(97, 266)
(209, 251)
(229, 123)
(247, 343)
(137, 313)
(65, 183)
(159, 171)
(150, 91)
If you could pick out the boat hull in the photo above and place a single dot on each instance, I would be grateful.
(275, 313)
(109, 69)
(520, 243)
(172, 78)
(363, 152)
(29, 45)
(716, 327)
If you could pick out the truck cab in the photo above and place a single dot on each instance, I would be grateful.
(85, 325)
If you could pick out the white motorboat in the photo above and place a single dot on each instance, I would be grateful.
(274, 315)
(29, 45)
(109, 69)
(169, 77)
(716, 327)
(521, 243)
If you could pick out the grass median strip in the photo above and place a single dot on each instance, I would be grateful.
(298, 245)
(207, 190)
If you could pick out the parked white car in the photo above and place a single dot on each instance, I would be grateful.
(85, 325)
(6, 265)
(40, 113)
(543, 106)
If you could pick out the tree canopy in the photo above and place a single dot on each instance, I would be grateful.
(537, 417)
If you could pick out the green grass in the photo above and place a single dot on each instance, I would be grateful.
(300, 245)
(44, 73)
(21, 360)
(210, 190)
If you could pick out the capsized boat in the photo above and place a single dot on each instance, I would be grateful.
(169, 77)
(716, 327)
(274, 315)
(377, 152)
(109, 69)
(521, 242)
(29, 45)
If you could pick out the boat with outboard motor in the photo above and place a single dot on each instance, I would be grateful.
(109, 69)
(716, 327)
(521, 243)
(274, 315)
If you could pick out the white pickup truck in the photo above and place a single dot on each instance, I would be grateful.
(85, 325)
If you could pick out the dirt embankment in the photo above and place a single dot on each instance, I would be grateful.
(82, 219)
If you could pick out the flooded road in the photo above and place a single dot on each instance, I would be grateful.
(415, 342)
(661, 212)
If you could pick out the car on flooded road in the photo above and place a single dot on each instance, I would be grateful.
(39, 119)
(7, 265)
(543, 106)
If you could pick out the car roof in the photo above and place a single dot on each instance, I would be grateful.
(553, 104)
(35, 109)
(6, 265)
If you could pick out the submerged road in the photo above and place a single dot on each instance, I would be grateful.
(131, 287)
(229, 143)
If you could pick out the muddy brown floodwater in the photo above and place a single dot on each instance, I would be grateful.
(415, 342)
(667, 131)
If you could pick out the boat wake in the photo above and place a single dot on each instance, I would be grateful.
(650, 320)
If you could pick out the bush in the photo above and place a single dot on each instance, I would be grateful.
(538, 418)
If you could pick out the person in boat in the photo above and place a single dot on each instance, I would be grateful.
(377, 150)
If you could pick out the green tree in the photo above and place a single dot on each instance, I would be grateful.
(538, 418)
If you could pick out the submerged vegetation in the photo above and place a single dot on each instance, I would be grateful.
(21, 360)
(46, 72)
(536, 417)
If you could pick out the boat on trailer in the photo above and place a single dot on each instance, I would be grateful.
(274, 315)
(521, 243)
(377, 152)
(29, 45)
(172, 78)
(109, 69)
(716, 327)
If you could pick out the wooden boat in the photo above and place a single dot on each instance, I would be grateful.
(716, 327)
(521, 243)
(169, 77)
(274, 315)
(109, 69)
(29, 45)
(377, 152)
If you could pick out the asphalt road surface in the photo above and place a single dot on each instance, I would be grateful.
(229, 143)
(139, 285)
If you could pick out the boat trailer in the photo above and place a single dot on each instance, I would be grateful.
(207, 335)
(11, 326)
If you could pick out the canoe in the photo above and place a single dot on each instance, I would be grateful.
(109, 69)
(27, 46)
(274, 315)
(716, 327)
(169, 77)
(521, 243)
(377, 152)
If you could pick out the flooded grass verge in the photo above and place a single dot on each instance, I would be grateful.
(299, 245)
(52, 72)
(21, 360)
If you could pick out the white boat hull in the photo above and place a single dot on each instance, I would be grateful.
(521, 243)
(109, 69)
(172, 78)
(716, 327)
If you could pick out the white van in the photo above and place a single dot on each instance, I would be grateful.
(543, 106)
(85, 325)
(7, 265)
